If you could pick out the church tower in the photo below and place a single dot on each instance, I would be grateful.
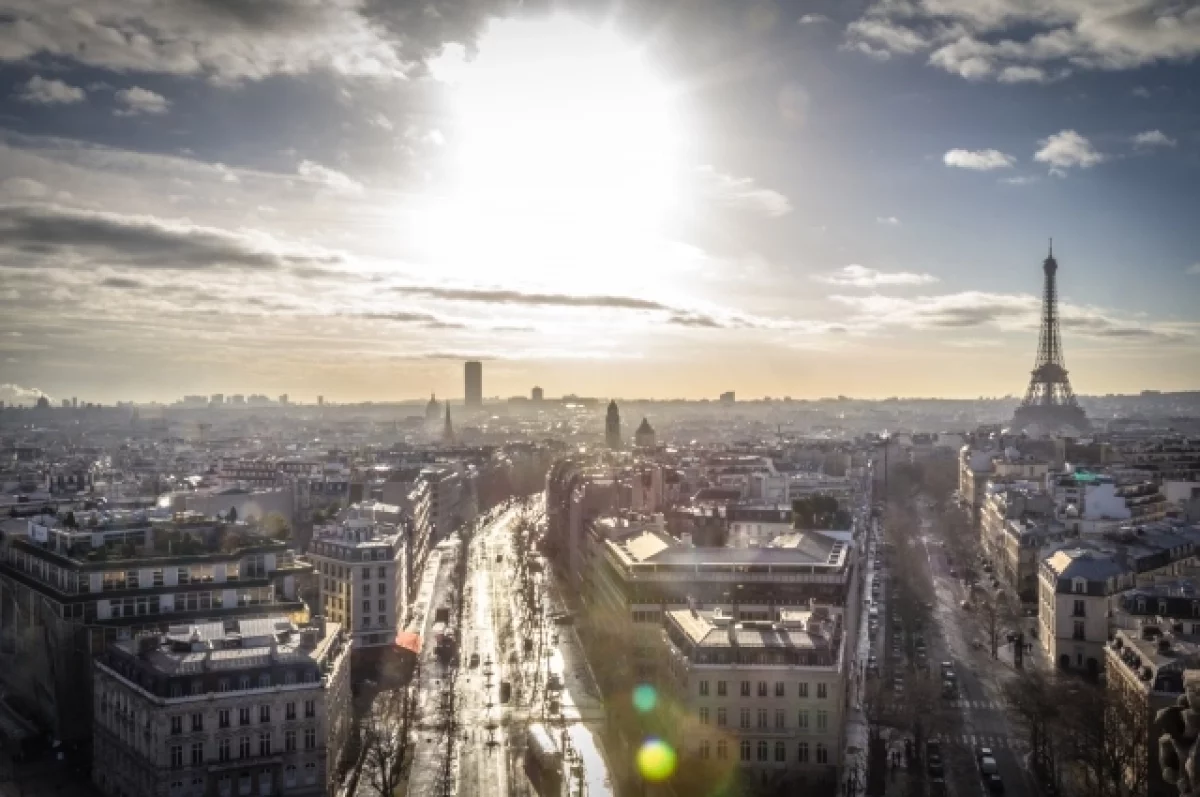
(448, 429)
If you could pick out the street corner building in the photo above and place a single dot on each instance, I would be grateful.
(216, 709)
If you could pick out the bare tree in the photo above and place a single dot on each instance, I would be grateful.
(1037, 699)
(998, 614)
(1105, 748)
(387, 735)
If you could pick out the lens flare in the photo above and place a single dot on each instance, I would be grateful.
(656, 760)
(645, 698)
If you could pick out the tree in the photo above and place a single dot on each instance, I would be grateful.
(233, 515)
(1037, 699)
(387, 733)
(998, 614)
(277, 526)
(1105, 747)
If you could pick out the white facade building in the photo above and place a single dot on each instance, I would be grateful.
(359, 566)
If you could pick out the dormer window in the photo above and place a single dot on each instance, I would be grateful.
(1141, 605)
(1079, 586)
(1162, 607)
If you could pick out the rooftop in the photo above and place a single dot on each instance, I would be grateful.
(796, 630)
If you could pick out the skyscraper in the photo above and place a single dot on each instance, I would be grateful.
(612, 426)
(537, 394)
(473, 372)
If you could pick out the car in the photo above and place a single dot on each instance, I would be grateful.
(983, 752)
(994, 783)
(936, 769)
(948, 689)
(474, 660)
(933, 750)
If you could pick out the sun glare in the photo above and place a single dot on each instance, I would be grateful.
(565, 137)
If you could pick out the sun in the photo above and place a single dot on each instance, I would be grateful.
(564, 135)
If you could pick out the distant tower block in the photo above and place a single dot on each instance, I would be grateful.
(644, 437)
(473, 375)
(433, 409)
(1049, 406)
(728, 397)
(537, 394)
(612, 426)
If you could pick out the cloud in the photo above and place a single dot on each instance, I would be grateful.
(23, 188)
(1066, 149)
(982, 159)
(138, 100)
(500, 296)
(1152, 138)
(862, 277)
(1020, 180)
(121, 283)
(1005, 312)
(12, 394)
(41, 91)
(427, 320)
(1141, 91)
(1193, 269)
(695, 321)
(1023, 74)
(54, 236)
(743, 193)
(331, 179)
(813, 19)
(890, 221)
(1019, 40)
(224, 40)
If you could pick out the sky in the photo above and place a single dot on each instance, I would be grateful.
(647, 198)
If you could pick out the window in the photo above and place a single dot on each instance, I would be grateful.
(244, 784)
(382, 621)
(310, 738)
(289, 775)
(366, 590)
(822, 691)
(289, 741)
(197, 687)
(264, 743)
(289, 711)
(822, 720)
(722, 750)
(310, 708)
(264, 713)
(780, 752)
(382, 604)
(264, 680)
(721, 718)
(704, 748)
(366, 606)
(197, 753)
(244, 682)
(225, 786)
(762, 718)
(223, 750)
(721, 689)
(244, 715)
(704, 715)
(704, 688)
(1080, 611)
(780, 689)
(822, 754)
(223, 718)
(762, 688)
(1079, 586)
(803, 757)
(802, 722)
(1078, 633)
(244, 747)
(176, 756)
(182, 575)
(366, 622)
(176, 726)
(745, 721)
(780, 719)
(264, 782)
(745, 689)
(382, 571)
(310, 773)
(762, 749)
(803, 689)
(197, 722)
(745, 750)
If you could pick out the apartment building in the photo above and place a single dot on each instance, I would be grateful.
(360, 568)
(1017, 525)
(1145, 667)
(66, 593)
(1093, 503)
(443, 499)
(218, 709)
(1079, 585)
(765, 696)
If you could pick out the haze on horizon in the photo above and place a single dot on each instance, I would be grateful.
(796, 199)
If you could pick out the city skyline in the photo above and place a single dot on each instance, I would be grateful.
(782, 199)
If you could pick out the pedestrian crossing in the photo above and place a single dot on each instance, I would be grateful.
(994, 741)
(978, 704)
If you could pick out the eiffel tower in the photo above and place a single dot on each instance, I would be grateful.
(1049, 406)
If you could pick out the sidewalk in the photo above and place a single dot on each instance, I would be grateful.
(854, 770)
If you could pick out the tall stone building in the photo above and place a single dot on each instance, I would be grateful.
(612, 426)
